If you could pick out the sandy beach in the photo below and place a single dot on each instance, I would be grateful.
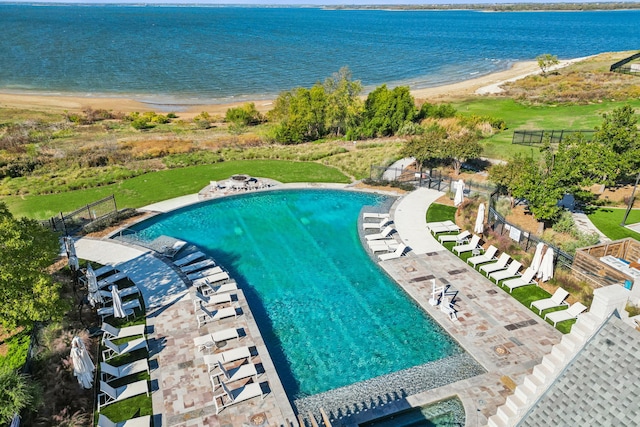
(480, 86)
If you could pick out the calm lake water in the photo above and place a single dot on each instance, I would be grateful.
(219, 54)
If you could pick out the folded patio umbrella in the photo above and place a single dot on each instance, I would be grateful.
(459, 198)
(118, 311)
(479, 227)
(92, 287)
(83, 366)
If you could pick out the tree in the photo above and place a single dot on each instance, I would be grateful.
(301, 115)
(17, 392)
(507, 175)
(462, 146)
(428, 149)
(385, 111)
(546, 61)
(343, 102)
(27, 293)
(246, 115)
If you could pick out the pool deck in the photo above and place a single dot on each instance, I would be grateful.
(506, 338)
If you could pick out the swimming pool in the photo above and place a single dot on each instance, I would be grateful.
(329, 316)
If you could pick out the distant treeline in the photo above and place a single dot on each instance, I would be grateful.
(497, 7)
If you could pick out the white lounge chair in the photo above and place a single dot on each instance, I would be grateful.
(375, 225)
(188, 259)
(204, 315)
(109, 395)
(171, 251)
(473, 244)
(446, 227)
(128, 307)
(382, 235)
(114, 350)
(510, 271)
(208, 288)
(200, 265)
(208, 341)
(110, 280)
(435, 224)
(571, 313)
(501, 264)
(382, 245)
(105, 269)
(489, 255)
(144, 421)
(228, 356)
(113, 333)
(524, 280)
(556, 300)
(124, 292)
(240, 394)
(395, 254)
(208, 300)
(109, 372)
(204, 273)
(211, 280)
(457, 238)
(374, 215)
(244, 371)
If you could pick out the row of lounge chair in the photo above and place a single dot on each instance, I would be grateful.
(501, 269)
(109, 393)
(233, 375)
(381, 240)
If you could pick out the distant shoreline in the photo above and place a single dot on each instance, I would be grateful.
(59, 103)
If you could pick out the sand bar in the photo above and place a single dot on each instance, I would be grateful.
(59, 103)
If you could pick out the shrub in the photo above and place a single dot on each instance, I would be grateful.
(17, 348)
(565, 224)
(17, 392)
(246, 115)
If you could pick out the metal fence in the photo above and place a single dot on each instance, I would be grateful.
(71, 222)
(619, 67)
(525, 239)
(531, 137)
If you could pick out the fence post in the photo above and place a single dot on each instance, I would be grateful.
(115, 208)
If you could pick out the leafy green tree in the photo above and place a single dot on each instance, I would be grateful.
(507, 175)
(385, 111)
(246, 115)
(301, 115)
(343, 103)
(462, 146)
(546, 61)
(17, 392)
(620, 140)
(27, 293)
(428, 149)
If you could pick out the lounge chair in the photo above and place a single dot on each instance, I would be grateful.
(473, 244)
(144, 421)
(204, 273)
(382, 245)
(211, 280)
(445, 227)
(128, 307)
(188, 259)
(510, 271)
(109, 372)
(228, 356)
(208, 300)
(374, 215)
(110, 280)
(109, 395)
(114, 350)
(457, 238)
(124, 292)
(435, 224)
(105, 269)
(384, 234)
(571, 313)
(200, 265)
(208, 288)
(375, 225)
(171, 251)
(210, 340)
(236, 395)
(524, 280)
(395, 254)
(501, 264)
(204, 315)
(489, 255)
(113, 333)
(241, 372)
(556, 300)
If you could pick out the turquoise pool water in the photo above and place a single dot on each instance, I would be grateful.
(329, 316)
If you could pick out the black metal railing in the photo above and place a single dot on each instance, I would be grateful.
(532, 137)
(68, 223)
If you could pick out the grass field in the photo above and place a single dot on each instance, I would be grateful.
(608, 221)
(527, 117)
(157, 186)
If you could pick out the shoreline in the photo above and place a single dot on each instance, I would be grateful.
(59, 103)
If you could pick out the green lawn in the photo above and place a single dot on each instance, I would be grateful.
(520, 117)
(162, 185)
(608, 221)
(438, 212)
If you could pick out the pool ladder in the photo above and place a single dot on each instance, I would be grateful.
(312, 419)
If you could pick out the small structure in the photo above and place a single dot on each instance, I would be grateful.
(611, 263)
